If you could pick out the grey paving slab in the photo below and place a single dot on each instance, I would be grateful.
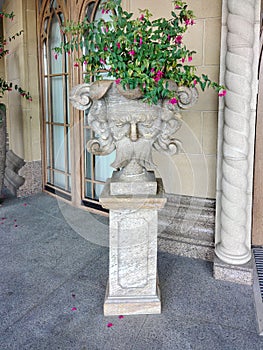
(191, 289)
(53, 275)
(172, 332)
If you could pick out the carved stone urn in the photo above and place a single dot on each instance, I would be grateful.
(122, 122)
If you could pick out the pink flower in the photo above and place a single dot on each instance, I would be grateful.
(183, 59)
(140, 43)
(132, 52)
(117, 81)
(25, 204)
(141, 18)
(173, 101)
(118, 45)
(73, 309)
(55, 56)
(76, 64)
(102, 61)
(105, 48)
(109, 324)
(168, 37)
(121, 316)
(158, 76)
(85, 62)
(195, 82)
(152, 70)
(190, 58)
(222, 93)
(177, 7)
(187, 21)
(178, 39)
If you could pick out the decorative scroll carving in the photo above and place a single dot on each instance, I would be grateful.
(233, 237)
(123, 122)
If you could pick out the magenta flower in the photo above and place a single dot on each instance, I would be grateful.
(76, 64)
(117, 81)
(85, 62)
(152, 70)
(55, 56)
(104, 11)
(173, 101)
(118, 45)
(195, 82)
(102, 61)
(132, 52)
(178, 39)
(105, 48)
(140, 43)
(141, 18)
(222, 93)
(158, 76)
(190, 58)
(183, 59)
(177, 7)
(121, 316)
(109, 324)
(73, 309)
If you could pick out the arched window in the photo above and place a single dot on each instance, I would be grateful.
(96, 168)
(69, 170)
(55, 87)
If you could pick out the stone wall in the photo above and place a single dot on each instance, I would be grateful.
(193, 172)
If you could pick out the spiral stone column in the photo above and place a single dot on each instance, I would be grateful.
(239, 60)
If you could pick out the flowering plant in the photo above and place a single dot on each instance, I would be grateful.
(138, 52)
(5, 85)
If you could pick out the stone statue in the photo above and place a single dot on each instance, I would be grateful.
(122, 121)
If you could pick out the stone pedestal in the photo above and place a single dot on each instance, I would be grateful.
(133, 282)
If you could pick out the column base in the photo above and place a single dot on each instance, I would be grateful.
(242, 274)
(232, 259)
(135, 305)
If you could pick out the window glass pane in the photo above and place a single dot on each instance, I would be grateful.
(99, 14)
(58, 147)
(98, 189)
(45, 58)
(88, 165)
(67, 100)
(55, 40)
(89, 11)
(57, 99)
(103, 170)
(48, 147)
(68, 155)
(46, 97)
(69, 183)
(59, 180)
(88, 190)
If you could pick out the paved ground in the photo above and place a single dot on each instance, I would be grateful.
(53, 274)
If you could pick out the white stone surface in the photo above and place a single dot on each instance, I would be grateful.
(239, 60)
(132, 286)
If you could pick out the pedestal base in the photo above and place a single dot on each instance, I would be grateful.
(139, 305)
(133, 283)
